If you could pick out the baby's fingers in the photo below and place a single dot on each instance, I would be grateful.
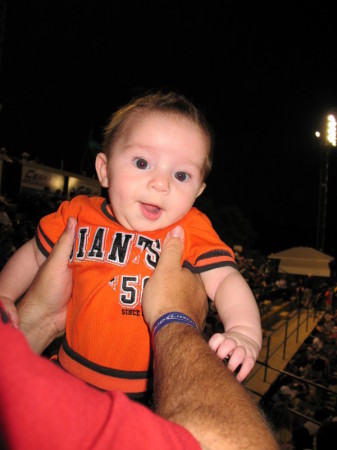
(221, 346)
(246, 368)
(237, 358)
(215, 341)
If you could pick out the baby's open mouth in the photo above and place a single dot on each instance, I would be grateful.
(150, 211)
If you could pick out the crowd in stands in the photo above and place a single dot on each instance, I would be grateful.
(303, 413)
(301, 403)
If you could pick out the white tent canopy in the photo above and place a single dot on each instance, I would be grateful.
(303, 261)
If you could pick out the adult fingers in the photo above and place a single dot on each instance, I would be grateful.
(63, 247)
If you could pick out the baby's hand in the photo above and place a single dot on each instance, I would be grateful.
(11, 311)
(240, 349)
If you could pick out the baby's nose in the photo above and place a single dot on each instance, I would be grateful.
(160, 182)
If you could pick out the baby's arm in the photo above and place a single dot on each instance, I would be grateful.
(17, 275)
(240, 316)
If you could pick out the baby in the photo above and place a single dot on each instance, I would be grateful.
(157, 155)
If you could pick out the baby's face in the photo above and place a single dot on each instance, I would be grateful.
(155, 171)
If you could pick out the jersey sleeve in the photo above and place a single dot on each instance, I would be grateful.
(51, 227)
(204, 250)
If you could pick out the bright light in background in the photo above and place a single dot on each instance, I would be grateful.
(331, 131)
(328, 141)
(56, 182)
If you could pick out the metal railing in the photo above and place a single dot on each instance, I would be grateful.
(310, 312)
(302, 380)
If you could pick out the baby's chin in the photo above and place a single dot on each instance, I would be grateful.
(150, 227)
(143, 224)
(156, 227)
(146, 226)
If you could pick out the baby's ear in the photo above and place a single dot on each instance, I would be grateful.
(202, 188)
(101, 166)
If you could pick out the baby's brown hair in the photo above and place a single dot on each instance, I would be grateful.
(170, 102)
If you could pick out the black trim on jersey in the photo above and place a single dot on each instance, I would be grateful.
(106, 212)
(50, 242)
(201, 269)
(213, 253)
(135, 375)
(145, 398)
(38, 242)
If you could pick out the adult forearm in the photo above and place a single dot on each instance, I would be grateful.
(215, 408)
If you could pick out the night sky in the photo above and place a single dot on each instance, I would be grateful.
(265, 76)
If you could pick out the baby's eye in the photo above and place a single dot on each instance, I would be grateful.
(141, 163)
(182, 176)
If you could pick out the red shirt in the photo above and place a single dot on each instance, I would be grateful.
(44, 407)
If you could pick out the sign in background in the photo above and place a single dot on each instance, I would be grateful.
(41, 178)
(38, 178)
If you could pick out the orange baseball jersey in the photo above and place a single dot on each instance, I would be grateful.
(107, 342)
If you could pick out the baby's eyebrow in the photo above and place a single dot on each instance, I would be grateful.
(136, 146)
(198, 165)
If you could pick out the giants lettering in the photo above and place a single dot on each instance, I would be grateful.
(120, 248)
(96, 245)
(152, 250)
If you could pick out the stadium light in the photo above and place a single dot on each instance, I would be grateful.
(331, 130)
(328, 141)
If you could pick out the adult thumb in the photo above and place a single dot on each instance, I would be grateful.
(172, 248)
(63, 247)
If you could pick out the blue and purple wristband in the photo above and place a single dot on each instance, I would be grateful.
(171, 317)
